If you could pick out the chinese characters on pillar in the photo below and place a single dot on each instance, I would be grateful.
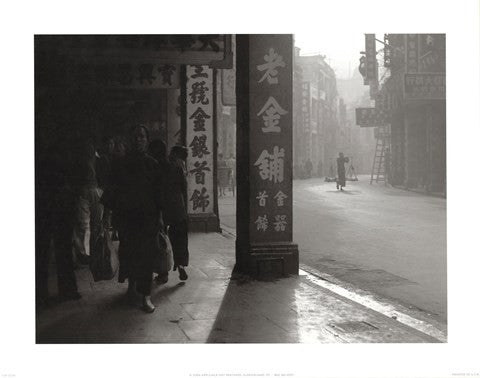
(199, 117)
(271, 121)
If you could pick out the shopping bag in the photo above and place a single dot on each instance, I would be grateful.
(163, 261)
(104, 259)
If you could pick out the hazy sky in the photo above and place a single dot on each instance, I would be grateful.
(340, 49)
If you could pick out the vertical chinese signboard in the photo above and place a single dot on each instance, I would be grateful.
(200, 141)
(411, 52)
(306, 120)
(271, 131)
(371, 59)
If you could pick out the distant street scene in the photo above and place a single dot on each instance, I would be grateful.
(384, 240)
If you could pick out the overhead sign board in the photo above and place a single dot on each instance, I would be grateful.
(424, 86)
(371, 117)
(214, 50)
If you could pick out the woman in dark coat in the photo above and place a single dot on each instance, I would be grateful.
(341, 180)
(133, 198)
(175, 209)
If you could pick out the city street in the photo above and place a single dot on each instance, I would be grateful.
(383, 240)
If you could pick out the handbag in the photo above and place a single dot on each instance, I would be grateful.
(104, 260)
(163, 261)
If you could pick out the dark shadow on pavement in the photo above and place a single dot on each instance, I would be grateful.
(243, 316)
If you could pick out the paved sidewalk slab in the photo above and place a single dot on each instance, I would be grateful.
(216, 306)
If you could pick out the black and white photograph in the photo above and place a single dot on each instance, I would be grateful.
(277, 193)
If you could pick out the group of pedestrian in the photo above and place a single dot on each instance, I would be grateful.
(138, 192)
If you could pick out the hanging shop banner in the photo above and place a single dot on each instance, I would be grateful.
(229, 97)
(126, 75)
(411, 52)
(306, 106)
(371, 117)
(425, 86)
(270, 86)
(199, 136)
(432, 53)
(214, 50)
(371, 58)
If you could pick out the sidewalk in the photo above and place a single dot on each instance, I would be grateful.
(214, 306)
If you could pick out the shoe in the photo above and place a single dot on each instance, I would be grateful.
(148, 306)
(182, 274)
(131, 293)
(161, 279)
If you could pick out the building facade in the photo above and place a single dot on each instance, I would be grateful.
(415, 100)
(324, 119)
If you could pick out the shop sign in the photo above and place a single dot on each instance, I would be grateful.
(371, 117)
(371, 58)
(229, 97)
(126, 75)
(306, 106)
(214, 50)
(425, 86)
(270, 137)
(199, 137)
(411, 52)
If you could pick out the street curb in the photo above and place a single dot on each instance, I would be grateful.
(413, 319)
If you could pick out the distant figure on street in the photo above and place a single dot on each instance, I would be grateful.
(223, 175)
(135, 203)
(308, 168)
(341, 180)
(175, 210)
(232, 166)
(320, 168)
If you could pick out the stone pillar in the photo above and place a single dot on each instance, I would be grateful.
(264, 156)
(200, 119)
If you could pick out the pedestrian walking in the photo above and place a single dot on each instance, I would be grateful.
(88, 206)
(55, 215)
(223, 175)
(232, 166)
(175, 210)
(133, 198)
(158, 150)
(341, 179)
